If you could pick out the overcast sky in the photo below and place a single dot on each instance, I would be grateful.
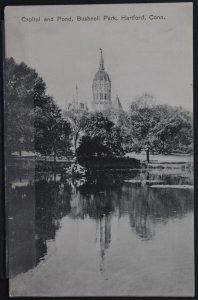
(153, 56)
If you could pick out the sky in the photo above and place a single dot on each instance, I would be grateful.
(141, 56)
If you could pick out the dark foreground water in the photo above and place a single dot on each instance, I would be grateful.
(112, 235)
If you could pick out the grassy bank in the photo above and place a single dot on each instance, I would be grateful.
(32, 164)
(174, 161)
(129, 162)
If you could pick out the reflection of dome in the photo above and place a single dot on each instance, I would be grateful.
(101, 75)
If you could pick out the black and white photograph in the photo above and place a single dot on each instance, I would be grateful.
(98, 116)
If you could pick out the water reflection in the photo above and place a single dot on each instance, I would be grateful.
(103, 237)
(21, 217)
(36, 208)
(52, 203)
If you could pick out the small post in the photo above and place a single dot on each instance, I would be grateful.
(147, 155)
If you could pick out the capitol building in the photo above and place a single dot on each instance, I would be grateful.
(101, 90)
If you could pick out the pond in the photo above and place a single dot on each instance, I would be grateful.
(116, 234)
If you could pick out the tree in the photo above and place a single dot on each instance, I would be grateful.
(174, 132)
(77, 119)
(97, 125)
(120, 119)
(52, 131)
(125, 130)
(23, 87)
(101, 140)
(33, 120)
(142, 122)
(159, 128)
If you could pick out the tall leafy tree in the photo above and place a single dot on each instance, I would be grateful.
(101, 139)
(53, 133)
(23, 87)
(32, 120)
(174, 132)
(77, 119)
(142, 123)
(159, 128)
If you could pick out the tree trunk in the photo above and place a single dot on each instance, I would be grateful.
(54, 156)
(75, 146)
(147, 155)
(54, 177)
(75, 143)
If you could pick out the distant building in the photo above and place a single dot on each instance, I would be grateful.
(117, 104)
(101, 88)
(75, 104)
(116, 109)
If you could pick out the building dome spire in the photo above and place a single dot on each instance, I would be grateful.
(101, 88)
(101, 67)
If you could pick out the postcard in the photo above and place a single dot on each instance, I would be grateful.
(99, 150)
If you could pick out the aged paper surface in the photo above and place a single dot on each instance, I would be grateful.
(99, 181)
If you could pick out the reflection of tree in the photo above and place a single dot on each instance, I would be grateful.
(90, 203)
(147, 206)
(35, 209)
(139, 213)
(104, 194)
(169, 203)
(21, 227)
(52, 203)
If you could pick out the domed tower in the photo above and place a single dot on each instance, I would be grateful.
(101, 88)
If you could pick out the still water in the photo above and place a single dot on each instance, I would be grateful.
(112, 235)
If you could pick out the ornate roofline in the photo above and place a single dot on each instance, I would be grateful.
(101, 66)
